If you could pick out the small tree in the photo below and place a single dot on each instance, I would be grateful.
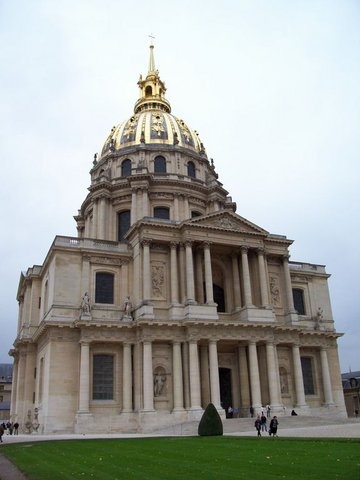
(210, 423)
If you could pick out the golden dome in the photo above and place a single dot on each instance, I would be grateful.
(152, 121)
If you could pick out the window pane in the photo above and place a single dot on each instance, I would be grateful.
(103, 377)
(161, 212)
(299, 305)
(104, 290)
(126, 168)
(123, 224)
(306, 366)
(160, 165)
(191, 169)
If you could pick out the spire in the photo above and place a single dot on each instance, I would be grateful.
(152, 89)
(151, 61)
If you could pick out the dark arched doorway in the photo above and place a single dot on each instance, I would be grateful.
(225, 388)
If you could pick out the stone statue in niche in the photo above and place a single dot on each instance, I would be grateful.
(275, 291)
(159, 384)
(85, 305)
(128, 307)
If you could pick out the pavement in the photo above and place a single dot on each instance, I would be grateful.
(294, 428)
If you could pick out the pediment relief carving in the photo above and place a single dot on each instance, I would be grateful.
(227, 221)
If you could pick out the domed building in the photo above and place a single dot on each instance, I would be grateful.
(168, 299)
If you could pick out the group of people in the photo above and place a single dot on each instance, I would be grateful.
(261, 425)
(11, 428)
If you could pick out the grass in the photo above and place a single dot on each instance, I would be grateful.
(188, 458)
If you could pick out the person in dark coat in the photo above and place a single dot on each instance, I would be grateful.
(257, 425)
(274, 423)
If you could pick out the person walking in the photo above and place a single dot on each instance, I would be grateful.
(263, 423)
(16, 428)
(257, 425)
(274, 423)
(2, 430)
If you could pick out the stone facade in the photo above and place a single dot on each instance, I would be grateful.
(168, 299)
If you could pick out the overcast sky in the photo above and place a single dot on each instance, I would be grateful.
(272, 87)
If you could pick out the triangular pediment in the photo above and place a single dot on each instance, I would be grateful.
(226, 221)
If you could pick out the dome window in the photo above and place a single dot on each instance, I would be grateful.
(126, 168)
(162, 212)
(148, 91)
(123, 224)
(191, 169)
(160, 164)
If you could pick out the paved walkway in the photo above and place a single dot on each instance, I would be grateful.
(340, 430)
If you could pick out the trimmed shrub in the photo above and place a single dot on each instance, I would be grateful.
(210, 423)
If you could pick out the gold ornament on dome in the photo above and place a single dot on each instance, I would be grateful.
(158, 125)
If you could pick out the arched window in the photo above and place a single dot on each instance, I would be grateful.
(148, 91)
(123, 224)
(191, 169)
(195, 213)
(160, 164)
(162, 212)
(126, 168)
(104, 288)
(103, 377)
(219, 298)
(299, 304)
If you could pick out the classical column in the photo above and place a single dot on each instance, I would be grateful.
(174, 281)
(288, 287)
(84, 387)
(146, 271)
(273, 375)
(208, 275)
(186, 374)
(254, 376)
(199, 277)
(190, 292)
(298, 377)
(177, 378)
(148, 381)
(182, 276)
(127, 378)
(236, 282)
(263, 279)
(246, 276)
(145, 202)
(195, 400)
(13, 409)
(214, 374)
(204, 375)
(102, 219)
(94, 219)
(186, 208)
(133, 213)
(328, 396)
(125, 278)
(244, 379)
(176, 207)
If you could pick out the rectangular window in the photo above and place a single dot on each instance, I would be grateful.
(104, 288)
(308, 378)
(123, 224)
(103, 377)
(299, 304)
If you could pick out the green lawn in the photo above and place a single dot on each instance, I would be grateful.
(189, 458)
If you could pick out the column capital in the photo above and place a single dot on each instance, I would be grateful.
(174, 244)
(261, 251)
(286, 257)
(244, 249)
(188, 243)
(145, 242)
